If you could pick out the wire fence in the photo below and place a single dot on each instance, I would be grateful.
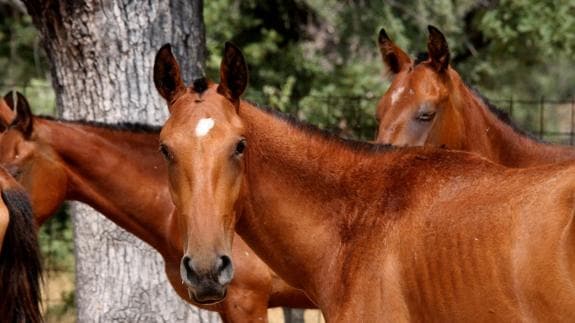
(349, 116)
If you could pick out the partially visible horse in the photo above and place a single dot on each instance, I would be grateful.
(117, 170)
(428, 104)
(20, 261)
(371, 233)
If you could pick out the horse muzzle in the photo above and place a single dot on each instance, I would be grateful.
(207, 285)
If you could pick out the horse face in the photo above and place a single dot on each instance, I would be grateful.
(411, 108)
(33, 163)
(203, 144)
(415, 110)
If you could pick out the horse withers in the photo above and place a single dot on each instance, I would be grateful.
(428, 104)
(370, 233)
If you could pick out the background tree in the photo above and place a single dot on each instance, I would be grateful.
(101, 56)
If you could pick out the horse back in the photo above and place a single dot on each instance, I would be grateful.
(469, 240)
(500, 249)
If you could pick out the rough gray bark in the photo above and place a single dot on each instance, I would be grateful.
(102, 53)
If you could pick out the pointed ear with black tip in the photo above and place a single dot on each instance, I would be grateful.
(437, 49)
(167, 76)
(6, 114)
(233, 73)
(393, 57)
(23, 119)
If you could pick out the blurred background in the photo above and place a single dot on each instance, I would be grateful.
(319, 59)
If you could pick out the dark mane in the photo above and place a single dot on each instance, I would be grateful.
(120, 126)
(420, 58)
(20, 262)
(314, 131)
(501, 115)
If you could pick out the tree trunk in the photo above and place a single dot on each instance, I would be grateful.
(101, 55)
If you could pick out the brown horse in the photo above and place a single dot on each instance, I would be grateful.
(75, 159)
(371, 233)
(20, 262)
(427, 103)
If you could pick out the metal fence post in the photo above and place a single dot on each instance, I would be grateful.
(541, 117)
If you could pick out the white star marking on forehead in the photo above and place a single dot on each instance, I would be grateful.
(204, 126)
(396, 94)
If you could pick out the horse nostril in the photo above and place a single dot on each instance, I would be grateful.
(189, 272)
(224, 270)
(187, 263)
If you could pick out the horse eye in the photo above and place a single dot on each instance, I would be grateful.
(240, 147)
(425, 116)
(165, 151)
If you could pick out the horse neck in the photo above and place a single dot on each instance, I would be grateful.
(295, 186)
(496, 140)
(120, 174)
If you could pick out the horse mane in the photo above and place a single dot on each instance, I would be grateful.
(20, 262)
(500, 114)
(313, 131)
(136, 127)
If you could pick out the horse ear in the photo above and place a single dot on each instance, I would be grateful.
(233, 73)
(393, 57)
(167, 76)
(23, 118)
(6, 114)
(437, 49)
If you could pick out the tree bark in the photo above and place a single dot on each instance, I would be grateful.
(101, 55)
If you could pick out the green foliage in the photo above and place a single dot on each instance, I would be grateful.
(23, 65)
(21, 58)
(56, 242)
(328, 70)
(319, 58)
(526, 38)
(38, 92)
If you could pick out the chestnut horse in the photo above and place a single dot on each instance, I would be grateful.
(20, 261)
(371, 233)
(427, 103)
(74, 159)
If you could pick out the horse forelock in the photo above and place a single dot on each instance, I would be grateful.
(200, 85)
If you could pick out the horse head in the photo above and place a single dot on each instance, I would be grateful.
(203, 144)
(417, 108)
(32, 162)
